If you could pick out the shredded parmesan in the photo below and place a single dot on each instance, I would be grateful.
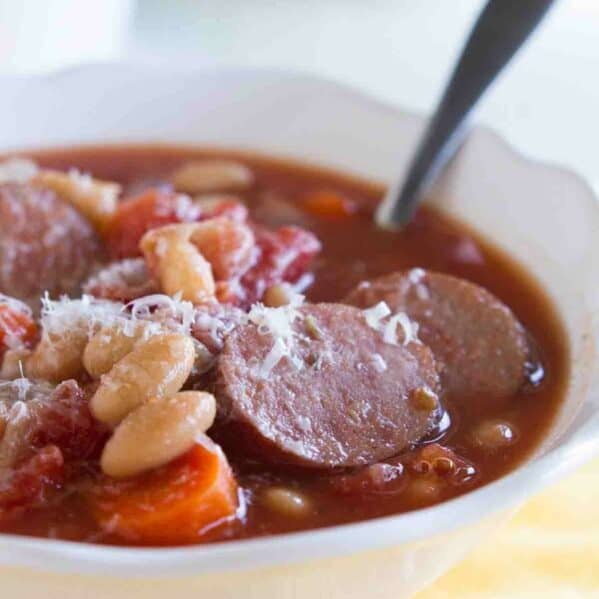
(15, 304)
(58, 316)
(17, 170)
(379, 363)
(376, 314)
(80, 179)
(410, 329)
(274, 321)
(416, 277)
(277, 322)
(278, 351)
(376, 318)
(173, 312)
(303, 282)
(21, 385)
(18, 411)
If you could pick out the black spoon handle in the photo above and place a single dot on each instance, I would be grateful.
(500, 30)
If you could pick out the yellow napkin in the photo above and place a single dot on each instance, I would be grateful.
(549, 550)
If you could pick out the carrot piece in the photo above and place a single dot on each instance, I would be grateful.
(328, 204)
(15, 326)
(151, 209)
(172, 505)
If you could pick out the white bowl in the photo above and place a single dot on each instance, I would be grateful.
(544, 216)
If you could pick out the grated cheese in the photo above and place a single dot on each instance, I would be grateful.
(80, 179)
(174, 312)
(21, 385)
(58, 316)
(15, 304)
(17, 170)
(410, 329)
(379, 363)
(416, 277)
(18, 411)
(274, 321)
(277, 322)
(278, 351)
(376, 316)
(185, 209)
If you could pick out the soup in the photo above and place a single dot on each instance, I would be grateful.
(242, 352)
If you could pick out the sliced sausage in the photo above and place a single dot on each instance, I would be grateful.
(45, 244)
(331, 392)
(479, 344)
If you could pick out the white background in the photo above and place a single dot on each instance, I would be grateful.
(546, 104)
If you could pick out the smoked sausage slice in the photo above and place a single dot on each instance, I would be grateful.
(319, 386)
(480, 346)
(45, 244)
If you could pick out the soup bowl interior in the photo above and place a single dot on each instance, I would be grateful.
(544, 217)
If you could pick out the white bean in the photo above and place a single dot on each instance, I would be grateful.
(58, 356)
(177, 263)
(286, 501)
(424, 490)
(212, 175)
(109, 345)
(493, 434)
(156, 368)
(96, 200)
(157, 432)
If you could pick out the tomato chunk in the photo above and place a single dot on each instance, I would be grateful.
(26, 485)
(174, 504)
(285, 255)
(35, 415)
(17, 328)
(155, 207)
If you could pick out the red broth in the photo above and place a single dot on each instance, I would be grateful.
(354, 249)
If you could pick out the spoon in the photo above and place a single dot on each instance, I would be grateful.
(499, 31)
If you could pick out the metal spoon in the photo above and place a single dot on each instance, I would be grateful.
(500, 30)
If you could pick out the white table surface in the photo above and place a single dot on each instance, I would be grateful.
(399, 50)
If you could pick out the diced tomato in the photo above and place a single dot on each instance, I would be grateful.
(59, 416)
(295, 251)
(285, 255)
(328, 204)
(16, 327)
(228, 245)
(55, 427)
(65, 420)
(154, 208)
(27, 484)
